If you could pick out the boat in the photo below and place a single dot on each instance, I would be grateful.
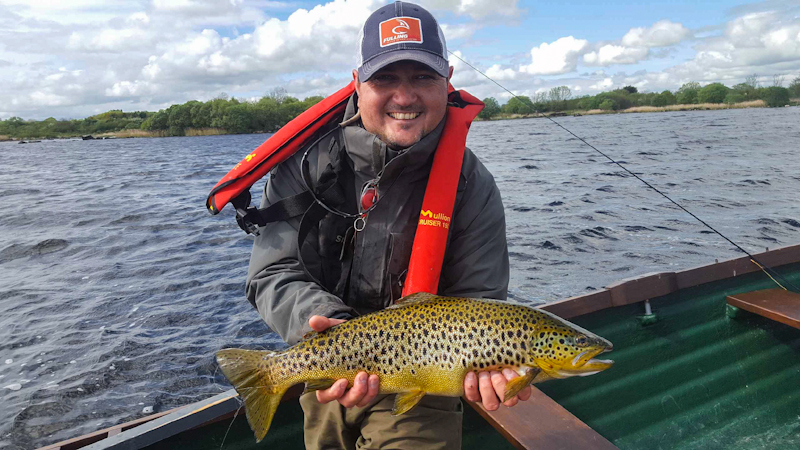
(707, 357)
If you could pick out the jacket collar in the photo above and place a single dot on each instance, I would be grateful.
(369, 153)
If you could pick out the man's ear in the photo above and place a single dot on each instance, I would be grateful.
(357, 83)
(450, 75)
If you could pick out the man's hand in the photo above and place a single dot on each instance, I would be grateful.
(365, 387)
(488, 387)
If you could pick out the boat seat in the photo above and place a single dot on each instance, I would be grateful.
(541, 423)
(776, 304)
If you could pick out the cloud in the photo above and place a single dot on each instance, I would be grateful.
(758, 42)
(602, 85)
(463, 75)
(663, 33)
(128, 89)
(636, 44)
(499, 74)
(459, 31)
(615, 54)
(476, 9)
(555, 58)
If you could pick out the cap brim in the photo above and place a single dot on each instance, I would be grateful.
(437, 63)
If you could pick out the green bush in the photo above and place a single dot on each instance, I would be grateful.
(518, 105)
(608, 105)
(491, 109)
(663, 99)
(712, 93)
(775, 96)
(734, 97)
(794, 87)
(589, 103)
(687, 94)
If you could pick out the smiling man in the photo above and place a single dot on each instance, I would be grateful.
(315, 272)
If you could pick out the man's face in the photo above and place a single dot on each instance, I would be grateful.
(402, 102)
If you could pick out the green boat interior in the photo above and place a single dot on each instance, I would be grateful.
(697, 374)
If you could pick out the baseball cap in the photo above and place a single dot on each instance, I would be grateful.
(401, 31)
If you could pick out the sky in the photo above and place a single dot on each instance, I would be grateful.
(71, 59)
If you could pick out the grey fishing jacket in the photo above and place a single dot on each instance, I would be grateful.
(373, 262)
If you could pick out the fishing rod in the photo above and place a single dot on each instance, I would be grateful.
(771, 273)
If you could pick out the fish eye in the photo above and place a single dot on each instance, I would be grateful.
(581, 341)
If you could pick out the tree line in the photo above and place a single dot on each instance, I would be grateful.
(561, 99)
(229, 115)
(265, 115)
(272, 111)
(115, 120)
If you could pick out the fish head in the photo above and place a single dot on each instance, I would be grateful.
(562, 349)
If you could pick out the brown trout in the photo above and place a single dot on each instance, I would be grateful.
(425, 344)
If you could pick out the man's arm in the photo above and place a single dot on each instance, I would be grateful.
(284, 294)
(289, 301)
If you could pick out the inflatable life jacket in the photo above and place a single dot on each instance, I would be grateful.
(430, 239)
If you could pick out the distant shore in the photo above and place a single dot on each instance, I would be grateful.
(640, 109)
(125, 134)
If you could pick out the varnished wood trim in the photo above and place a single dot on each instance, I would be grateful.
(541, 423)
(583, 304)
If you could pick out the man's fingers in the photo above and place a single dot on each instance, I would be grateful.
(471, 387)
(488, 396)
(525, 394)
(322, 323)
(373, 385)
(499, 382)
(357, 392)
(333, 392)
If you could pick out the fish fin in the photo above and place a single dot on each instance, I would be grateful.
(318, 384)
(517, 384)
(412, 299)
(309, 335)
(406, 401)
(246, 370)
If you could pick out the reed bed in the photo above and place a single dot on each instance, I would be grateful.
(700, 106)
(134, 133)
(204, 131)
(163, 133)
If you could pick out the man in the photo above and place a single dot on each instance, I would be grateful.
(339, 268)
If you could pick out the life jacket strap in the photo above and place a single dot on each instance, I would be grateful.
(251, 218)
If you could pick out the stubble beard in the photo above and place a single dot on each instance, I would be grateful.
(394, 145)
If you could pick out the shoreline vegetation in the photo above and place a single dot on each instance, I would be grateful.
(224, 115)
(639, 109)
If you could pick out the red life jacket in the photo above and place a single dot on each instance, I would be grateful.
(437, 207)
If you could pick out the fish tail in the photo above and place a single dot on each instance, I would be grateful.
(250, 373)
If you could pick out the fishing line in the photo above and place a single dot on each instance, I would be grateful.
(766, 269)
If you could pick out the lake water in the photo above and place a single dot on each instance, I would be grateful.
(117, 287)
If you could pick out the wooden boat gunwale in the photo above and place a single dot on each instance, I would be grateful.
(151, 429)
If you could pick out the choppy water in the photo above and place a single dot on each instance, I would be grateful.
(116, 286)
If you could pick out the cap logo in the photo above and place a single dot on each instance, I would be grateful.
(400, 29)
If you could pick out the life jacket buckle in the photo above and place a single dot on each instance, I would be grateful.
(245, 214)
